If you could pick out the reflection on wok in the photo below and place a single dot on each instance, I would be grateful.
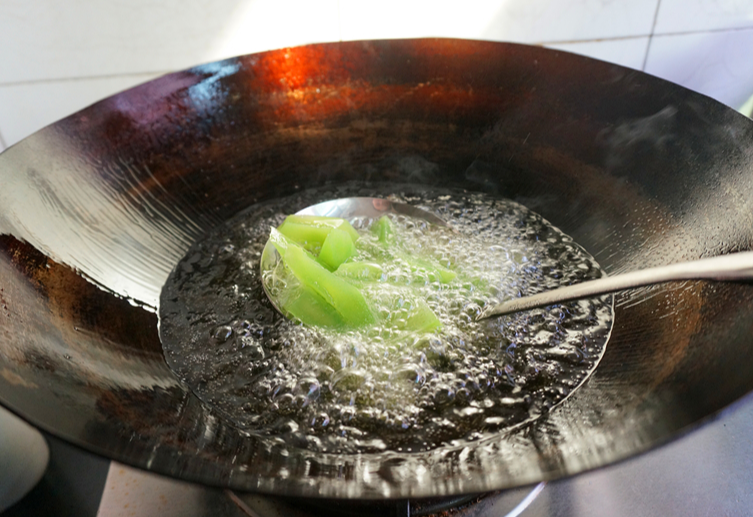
(97, 209)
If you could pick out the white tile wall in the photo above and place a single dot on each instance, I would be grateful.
(57, 57)
(703, 15)
(32, 106)
(50, 39)
(718, 64)
(630, 52)
(529, 21)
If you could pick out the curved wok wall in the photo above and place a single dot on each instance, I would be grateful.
(96, 209)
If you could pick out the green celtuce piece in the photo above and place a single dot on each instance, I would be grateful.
(364, 271)
(337, 248)
(423, 319)
(321, 221)
(442, 274)
(313, 310)
(325, 293)
(384, 230)
(344, 298)
(310, 237)
(311, 231)
(279, 240)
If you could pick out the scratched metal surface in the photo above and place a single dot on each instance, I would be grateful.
(707, 472)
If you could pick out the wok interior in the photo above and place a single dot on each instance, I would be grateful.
(97, 209)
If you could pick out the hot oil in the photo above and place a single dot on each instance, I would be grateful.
(379, 389)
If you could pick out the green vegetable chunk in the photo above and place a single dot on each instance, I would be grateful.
(346, 300)
(337, 248)
(310, 237)
(279, 240)
(444, 275)
(315, 250)
(384, 230)
(313, 310)
(311, 231)
(422, 319)
(320, 221)
(367, 271)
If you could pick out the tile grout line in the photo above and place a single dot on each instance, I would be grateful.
(651, 36)
(339, 22)
(700, 31)
(339, 28)
(638, 36)
(592, 40)
(82, 78)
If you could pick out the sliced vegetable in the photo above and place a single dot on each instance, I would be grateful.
(323, 221)
(365, 271)
(279, 240)
(311, 230)
(342, 296)
(422, 319)
(313, 310)
(387, 235)
(327, 296)
(419, 317)
(442, 274)
(310, 237)
(384, 230)
(337, 248)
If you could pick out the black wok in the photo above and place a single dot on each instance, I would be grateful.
(96, 209)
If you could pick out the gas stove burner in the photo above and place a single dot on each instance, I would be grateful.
(509, 503)
(400, 508)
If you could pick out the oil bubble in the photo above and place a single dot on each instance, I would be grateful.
(383, 387)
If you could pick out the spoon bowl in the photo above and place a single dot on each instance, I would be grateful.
(350, 207)
(347, 208)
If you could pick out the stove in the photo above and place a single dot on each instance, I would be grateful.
(709, 471)
(132, 492)
(510, 503)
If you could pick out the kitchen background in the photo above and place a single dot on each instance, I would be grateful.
(58, 57)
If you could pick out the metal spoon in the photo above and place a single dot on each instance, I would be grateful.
(737, 266)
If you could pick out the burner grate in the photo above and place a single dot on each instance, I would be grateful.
(401, 508)
(510, 503)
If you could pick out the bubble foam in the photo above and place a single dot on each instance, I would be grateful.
(380, 389)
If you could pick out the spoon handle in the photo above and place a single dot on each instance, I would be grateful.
(737, 266)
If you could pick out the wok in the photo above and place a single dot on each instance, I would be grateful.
(96, 209)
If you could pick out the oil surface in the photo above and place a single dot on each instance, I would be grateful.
(378, 389)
